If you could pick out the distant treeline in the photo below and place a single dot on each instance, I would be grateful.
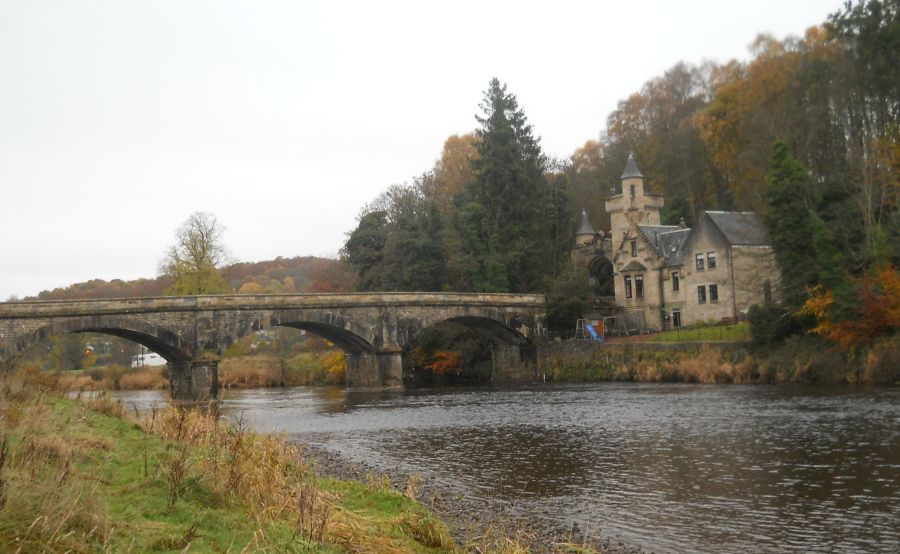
(298, 274)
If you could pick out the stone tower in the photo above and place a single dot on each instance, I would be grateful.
(633, 205)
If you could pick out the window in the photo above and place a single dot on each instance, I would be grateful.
(711, 260)
(676, 318)
(714, 293)
(701, 294)
(633, 248)
(676, 281)
(632, 191)
(639, 286)
(627, 287)
(699, 259)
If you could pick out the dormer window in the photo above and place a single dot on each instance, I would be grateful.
(633, 248)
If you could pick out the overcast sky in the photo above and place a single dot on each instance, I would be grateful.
(118, 119)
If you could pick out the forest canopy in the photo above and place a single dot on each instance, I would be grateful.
(496, 214)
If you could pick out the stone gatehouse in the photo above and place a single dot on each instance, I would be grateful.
(665, 276)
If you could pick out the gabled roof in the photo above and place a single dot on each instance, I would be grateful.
(631, 168)
(585, 228)
(634, 265)
(741, 228)
(667, 240)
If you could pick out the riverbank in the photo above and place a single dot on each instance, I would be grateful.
(84, 475)
(476, 525)
(800, 359)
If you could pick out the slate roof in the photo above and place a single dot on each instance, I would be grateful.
(631, 168)
(667, 240)
(585, 228)
(741, 228)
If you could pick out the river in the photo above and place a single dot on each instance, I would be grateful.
(665, 468)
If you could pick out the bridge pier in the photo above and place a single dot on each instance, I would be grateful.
(375, 369)
(195, 380)
(514, 363)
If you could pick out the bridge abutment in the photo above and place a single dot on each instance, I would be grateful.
(514, 363)
(375, 369)
(195, 380)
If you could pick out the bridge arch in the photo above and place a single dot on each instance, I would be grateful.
(327, 326)
(159, 339)
(492, 329)
(512, 353)
(347, 341)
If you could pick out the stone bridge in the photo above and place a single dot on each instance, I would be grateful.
(191, 332)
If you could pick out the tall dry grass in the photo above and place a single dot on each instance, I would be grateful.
(38, 493)
(151, 378)
(305, 368)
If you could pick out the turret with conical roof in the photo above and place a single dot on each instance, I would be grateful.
(631, 169)
(586, 232)
(634, 206)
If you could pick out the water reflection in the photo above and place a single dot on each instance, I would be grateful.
(665, 467)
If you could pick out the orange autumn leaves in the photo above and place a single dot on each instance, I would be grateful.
(876, 311)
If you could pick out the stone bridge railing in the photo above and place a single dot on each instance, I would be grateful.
(191, 332)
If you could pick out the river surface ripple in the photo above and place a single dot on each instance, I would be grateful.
(667, 468)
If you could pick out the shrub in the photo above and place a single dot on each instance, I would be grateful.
(882, 363)
(771, 324)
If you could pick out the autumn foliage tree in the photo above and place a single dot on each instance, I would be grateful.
(876, 312)
(194, 262)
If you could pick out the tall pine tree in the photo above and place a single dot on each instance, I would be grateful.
(504, 227)
(791, 222)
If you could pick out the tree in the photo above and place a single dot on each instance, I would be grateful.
(567, 299)
(504, 228)
(868, 109)
(69, 351)
(791, 225)
(194, 261)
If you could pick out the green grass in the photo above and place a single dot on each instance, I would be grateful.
(712, 333)
(74, 480)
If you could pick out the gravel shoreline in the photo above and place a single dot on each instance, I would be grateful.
(467, 518)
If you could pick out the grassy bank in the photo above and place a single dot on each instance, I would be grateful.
(800, 359)
(85, 476)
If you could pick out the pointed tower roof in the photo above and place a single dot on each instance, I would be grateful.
(631, 168)
(585, 228)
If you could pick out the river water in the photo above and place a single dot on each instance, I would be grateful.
(665, 468)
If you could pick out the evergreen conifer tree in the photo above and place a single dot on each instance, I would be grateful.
(792, 228)
(504, 227)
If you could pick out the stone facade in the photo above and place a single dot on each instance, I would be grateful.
(372, 328)
(670, 275)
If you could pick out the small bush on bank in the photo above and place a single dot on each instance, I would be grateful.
(771, 324)
(882, 363)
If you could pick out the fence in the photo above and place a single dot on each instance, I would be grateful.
(712, 333)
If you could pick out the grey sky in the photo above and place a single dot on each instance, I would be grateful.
(118, 119)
